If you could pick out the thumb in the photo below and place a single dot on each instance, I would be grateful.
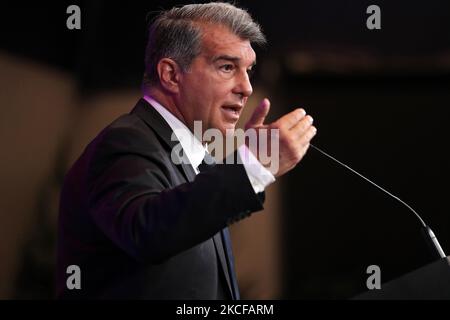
(260, 113)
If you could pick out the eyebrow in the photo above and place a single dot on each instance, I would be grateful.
(231, 58)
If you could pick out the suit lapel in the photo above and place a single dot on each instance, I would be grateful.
(159, 125)
(188, 171)
(223, 248)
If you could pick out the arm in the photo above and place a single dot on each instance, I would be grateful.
(132, 202)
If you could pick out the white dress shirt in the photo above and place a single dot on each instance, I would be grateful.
(258, 175)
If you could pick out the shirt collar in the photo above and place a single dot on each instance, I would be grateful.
(192, 147)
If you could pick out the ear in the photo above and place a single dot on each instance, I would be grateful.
(169, 73)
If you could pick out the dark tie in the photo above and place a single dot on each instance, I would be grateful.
(207, 163)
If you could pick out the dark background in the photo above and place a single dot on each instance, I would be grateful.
(379, 98)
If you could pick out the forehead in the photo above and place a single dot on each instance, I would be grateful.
(218, 40)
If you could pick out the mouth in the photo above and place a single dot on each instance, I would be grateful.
(232, 112)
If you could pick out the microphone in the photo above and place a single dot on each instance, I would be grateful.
(431, 239)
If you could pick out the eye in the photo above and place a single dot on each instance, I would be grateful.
(250, 72)
(227, 67)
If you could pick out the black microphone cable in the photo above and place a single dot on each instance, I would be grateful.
(428, 233)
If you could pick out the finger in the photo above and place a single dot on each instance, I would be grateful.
(300, 128)
(303, 143)
(304, 139)
(308, 135)
(289, 120)
(260, 113)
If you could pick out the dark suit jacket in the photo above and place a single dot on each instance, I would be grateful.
(139, 226)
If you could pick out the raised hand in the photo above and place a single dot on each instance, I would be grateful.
(293, 133)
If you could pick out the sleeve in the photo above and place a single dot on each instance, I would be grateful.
(258, 175)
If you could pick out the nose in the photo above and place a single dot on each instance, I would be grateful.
(243, 85)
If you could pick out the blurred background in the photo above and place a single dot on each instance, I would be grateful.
(380, 100)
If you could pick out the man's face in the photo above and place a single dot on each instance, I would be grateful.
(217, 85)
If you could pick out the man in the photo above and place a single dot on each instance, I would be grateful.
(138, 222)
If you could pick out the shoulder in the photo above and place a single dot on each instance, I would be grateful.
(127, 138)
(128, 132)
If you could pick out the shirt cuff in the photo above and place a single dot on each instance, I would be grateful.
(258, 175)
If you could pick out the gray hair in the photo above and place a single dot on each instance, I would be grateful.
(176, 33)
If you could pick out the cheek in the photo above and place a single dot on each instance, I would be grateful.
(214, 96)
(207, 93)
